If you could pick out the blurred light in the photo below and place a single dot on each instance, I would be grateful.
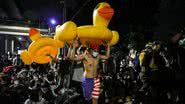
(53, 21)
(18, 28)
(20, 38)
(19, 51)
(14, 33)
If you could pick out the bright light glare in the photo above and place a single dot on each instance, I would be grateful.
(53, 21)
(19, 38)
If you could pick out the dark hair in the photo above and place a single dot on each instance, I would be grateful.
(156, 42)
(82, 49)
(34, 65)
(78, 40)
(102, 49)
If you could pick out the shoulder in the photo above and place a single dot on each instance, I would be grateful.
(43, 101)
(28, 101)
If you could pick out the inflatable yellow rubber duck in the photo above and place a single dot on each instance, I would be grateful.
(41, 50)
(96, 33)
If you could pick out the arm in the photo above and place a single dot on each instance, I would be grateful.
(69, 52)
(108, 50)
(107, 53)
(76, 57)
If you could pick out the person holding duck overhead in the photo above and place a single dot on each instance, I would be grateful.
(77, 66)
(90, 82)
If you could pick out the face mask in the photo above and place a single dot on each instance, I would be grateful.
(95, 54)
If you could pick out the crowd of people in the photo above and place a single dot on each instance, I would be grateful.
(98, 75)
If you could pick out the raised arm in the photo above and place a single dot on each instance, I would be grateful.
(107, 53)
(69, 51)
(75, 57)
(78, 57)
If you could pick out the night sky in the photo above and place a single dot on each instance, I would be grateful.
(158, 17)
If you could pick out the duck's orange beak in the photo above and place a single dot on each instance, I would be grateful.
(33, 31)
(106, 12)
(34, 34)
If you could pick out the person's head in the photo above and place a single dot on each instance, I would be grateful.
(102, 50)
(132, 50)
(34, 65)
(16, 82)
(156, 45)
(44, 87)
(92, 52)
(181, 41)
(56, 73)
(9, 62)
(35, 77)
(4, 80)
(77, 42)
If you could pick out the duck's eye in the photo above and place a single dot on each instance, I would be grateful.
(97, 6)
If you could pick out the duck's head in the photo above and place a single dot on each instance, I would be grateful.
(102, 14)
(34, 34)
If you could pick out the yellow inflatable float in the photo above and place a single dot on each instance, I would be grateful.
(41, 50)
(95, 34)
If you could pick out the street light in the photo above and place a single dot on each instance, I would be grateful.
(53, 21)
(52, 24)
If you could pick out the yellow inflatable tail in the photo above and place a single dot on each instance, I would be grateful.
(26, 57)
(115, 38)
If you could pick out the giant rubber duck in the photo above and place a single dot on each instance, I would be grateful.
(42, 49)
(96, 33)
